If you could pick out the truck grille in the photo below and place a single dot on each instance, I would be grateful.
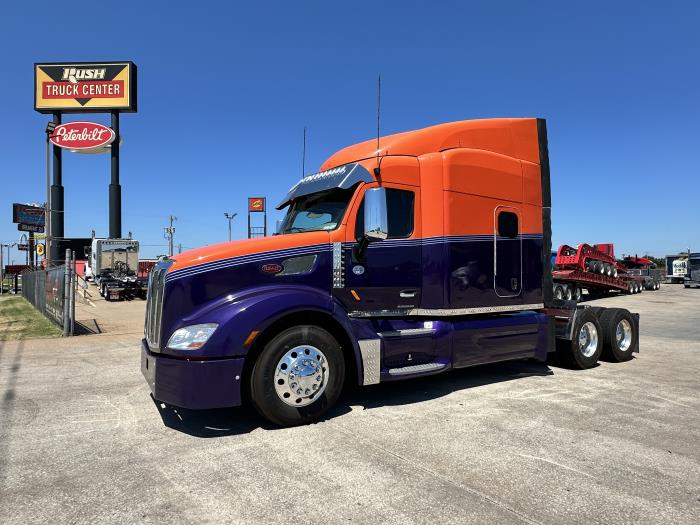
(154, 304)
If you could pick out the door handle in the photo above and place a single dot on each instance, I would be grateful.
(408, 293)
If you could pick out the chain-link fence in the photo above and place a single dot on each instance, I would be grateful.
(52, 292)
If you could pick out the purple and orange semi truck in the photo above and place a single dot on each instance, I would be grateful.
(405, 256)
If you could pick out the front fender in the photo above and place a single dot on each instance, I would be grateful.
(251, 309)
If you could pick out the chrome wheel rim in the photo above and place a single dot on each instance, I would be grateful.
(623, 335)
(588, 339)
(301, 375)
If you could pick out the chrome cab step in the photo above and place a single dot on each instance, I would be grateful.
(416, 369)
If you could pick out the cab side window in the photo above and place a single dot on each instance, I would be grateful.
(399, 205)
(507, 225)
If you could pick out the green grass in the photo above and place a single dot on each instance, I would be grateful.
(19, 320)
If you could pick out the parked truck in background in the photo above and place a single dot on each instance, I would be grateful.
(681, 265)
(403, 257)
(693, 281)
(113, 265)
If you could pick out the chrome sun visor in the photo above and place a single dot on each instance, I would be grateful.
(342, 177)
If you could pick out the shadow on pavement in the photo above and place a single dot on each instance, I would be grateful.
(242, 420)
(218, 422)
(7, 407)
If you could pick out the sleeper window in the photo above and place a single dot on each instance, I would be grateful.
(507, 224)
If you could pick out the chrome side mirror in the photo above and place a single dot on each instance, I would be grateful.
(376, 221)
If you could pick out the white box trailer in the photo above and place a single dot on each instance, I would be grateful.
(113, 265)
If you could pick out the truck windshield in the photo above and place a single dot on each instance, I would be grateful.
(130, 248)
(317, 211)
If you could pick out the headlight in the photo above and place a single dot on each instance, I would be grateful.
(191, 337)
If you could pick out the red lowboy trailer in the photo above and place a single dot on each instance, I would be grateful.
(594, 268)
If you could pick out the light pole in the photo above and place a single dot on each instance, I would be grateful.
(2, 264)
(50, 127)
(230, 217)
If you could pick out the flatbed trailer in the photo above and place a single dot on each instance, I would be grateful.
(594, 268)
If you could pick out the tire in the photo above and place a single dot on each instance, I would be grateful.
(590, 264)
(620, 336)
(608, 270)
(601, 268)
(614, 272)
(271, 382)
(586, 345)
(630, 287)
(578, 294)
(559, 292)
(568, 294)
(596, 310)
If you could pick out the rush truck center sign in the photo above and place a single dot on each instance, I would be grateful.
(85, 87)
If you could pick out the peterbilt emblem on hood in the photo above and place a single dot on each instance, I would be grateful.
(271, 268)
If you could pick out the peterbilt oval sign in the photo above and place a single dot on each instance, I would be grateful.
(82, 135)
(271, 268)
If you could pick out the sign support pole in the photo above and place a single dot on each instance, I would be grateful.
(56, 201)
(115, 189)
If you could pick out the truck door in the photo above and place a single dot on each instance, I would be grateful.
(507, 252)
(388, 275)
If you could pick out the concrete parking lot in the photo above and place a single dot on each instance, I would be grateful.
(81, 441)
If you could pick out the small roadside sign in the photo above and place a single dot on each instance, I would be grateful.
(30, 228)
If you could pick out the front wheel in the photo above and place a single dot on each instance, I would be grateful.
(298, 376)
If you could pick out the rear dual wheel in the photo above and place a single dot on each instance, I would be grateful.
(610, 333)
(586, 345)
(620, 334)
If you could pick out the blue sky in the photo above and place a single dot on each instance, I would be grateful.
(225, 89)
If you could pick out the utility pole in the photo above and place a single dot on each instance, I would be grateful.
(2, 270)
(230, 217)
(169, 233)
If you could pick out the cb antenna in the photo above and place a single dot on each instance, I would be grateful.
(303, 156)
(379, 112)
